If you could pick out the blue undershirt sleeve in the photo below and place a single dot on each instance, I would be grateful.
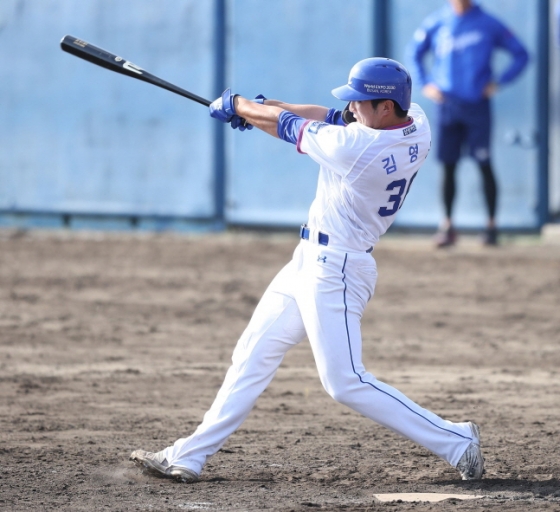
(289, 126)
(334, 117)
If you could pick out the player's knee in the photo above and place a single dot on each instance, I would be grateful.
(342, 396)
(340, 389)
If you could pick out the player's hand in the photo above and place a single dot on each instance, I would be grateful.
(347, 115)
(433, 93)
(240, 124)
(490, 89)
(223, 108)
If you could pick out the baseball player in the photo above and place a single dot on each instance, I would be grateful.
(366, 170)
(462, 39)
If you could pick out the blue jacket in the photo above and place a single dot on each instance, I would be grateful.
(462, 48)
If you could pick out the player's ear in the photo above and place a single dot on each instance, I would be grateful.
(389, 106)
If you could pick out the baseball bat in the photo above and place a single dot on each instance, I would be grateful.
(86, 51)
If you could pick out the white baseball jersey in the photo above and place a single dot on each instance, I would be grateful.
(364, 177)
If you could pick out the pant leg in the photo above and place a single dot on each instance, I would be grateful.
(276, 326)
(490, 188)
(332, 302)
(477, 118)
(450, 136)
(450, 133)
(449, 188)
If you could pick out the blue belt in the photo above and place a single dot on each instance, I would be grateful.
(305, 231)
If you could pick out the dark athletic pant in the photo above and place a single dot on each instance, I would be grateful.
(465, 124)
(489, 184)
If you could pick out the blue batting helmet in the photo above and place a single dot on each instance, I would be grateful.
(376, 79)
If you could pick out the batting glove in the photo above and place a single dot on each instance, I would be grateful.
(240, 123)
(222, 109)
(347, 116)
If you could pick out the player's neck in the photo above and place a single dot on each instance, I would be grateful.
(393, 123)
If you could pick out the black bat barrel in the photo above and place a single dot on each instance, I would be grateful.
(103, 58)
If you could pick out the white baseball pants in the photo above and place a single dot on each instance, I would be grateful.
(321, 293)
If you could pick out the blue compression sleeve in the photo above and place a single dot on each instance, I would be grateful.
(334, 117)
(289, 126)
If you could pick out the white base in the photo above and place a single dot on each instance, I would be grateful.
(431, 497)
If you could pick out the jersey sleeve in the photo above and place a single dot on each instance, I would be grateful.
(507, 40)
(419, 46)
(332, 146)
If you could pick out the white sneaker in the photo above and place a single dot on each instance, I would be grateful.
(158, 464)
(471, 464)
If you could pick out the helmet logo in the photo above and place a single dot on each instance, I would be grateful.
(373, 88)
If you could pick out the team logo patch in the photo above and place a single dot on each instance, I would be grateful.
(315, 126)
(409, 129)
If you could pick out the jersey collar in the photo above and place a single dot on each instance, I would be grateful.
(403, 125)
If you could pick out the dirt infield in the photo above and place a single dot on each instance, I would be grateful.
(109, 343)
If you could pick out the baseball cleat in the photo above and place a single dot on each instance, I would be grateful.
(471, 464)
(157, 463)
(490, 237)
(446, 237)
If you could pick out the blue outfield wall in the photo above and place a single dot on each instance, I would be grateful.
(81, 146)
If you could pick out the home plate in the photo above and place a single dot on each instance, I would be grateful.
(423, 496)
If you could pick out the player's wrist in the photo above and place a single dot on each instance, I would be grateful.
(235, 102)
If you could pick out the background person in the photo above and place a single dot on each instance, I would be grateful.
(462, 39)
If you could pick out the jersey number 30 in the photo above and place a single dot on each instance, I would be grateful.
(397, 199)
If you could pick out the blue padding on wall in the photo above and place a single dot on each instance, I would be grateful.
(78, 138)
